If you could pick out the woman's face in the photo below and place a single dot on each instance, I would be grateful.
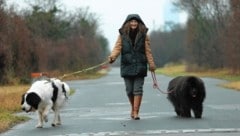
(133, 24)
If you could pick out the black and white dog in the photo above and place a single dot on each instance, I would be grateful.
(43, 96)
(188, 93)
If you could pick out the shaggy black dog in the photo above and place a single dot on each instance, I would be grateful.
(188, 93)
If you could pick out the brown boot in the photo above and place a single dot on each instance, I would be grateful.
(131, 100)
(136, 106)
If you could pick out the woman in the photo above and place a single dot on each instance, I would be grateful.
(134, 46)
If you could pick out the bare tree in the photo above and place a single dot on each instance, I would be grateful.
(207, 20)
(231, 47)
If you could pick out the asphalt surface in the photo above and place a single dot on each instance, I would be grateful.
(100, 108)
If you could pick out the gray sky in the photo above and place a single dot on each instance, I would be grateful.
(113, 12)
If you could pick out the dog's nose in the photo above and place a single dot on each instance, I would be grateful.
(23, 108)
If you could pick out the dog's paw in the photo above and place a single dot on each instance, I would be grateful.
(56, 124)
(45, 118)
(59, 123)
(198, 116)
(39, 126)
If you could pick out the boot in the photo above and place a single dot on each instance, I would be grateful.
(131, 100)
(136, 106)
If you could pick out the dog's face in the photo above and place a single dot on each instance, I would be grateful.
(30, 102)
(193, 92)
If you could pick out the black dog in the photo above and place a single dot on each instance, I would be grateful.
(188, 93)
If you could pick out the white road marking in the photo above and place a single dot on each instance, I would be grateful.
(155, 132)
(225, 107)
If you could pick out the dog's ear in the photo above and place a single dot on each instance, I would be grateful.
(33, 99)
(23, 95)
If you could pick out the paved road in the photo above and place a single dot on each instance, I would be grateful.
(100, 108)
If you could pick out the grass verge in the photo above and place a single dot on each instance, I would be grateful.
(10, 99)
(180, 69)
(8, 120)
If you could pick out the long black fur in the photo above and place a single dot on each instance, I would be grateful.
(188, 94)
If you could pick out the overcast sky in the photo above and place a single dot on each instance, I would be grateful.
(113, 12)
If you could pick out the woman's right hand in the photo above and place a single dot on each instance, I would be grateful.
(110, 60)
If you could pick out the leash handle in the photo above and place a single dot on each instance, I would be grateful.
(155, 84)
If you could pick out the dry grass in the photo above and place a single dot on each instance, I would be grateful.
(10, 97)
(176, 70)
(234, 85)
(172, 70)
(10, 100)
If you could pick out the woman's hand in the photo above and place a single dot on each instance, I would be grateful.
(110, 60)
(152, 68)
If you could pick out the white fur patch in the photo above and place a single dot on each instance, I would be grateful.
(47, 91)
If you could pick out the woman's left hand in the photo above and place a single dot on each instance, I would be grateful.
(152, 68)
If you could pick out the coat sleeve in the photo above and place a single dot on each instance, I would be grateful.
(117, 49)
(149, 54)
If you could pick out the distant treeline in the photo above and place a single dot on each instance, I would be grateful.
(210, 39)
(45, 39)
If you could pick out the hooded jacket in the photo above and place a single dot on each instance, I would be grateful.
(134, 56)
(133, 16)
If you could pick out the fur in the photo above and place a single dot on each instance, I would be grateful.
(188, 94)
(43, 96)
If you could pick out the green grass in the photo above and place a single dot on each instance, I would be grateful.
(9, 119)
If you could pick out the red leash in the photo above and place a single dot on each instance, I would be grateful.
(155, 84)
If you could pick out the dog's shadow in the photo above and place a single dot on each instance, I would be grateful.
(46, 130)
(185, 119)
